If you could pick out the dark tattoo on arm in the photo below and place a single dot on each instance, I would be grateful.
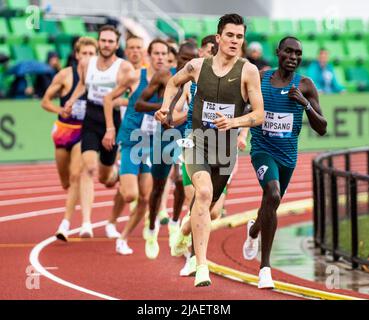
(252, 122)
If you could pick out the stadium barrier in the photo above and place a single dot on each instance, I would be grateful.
(341, 204)
(25, 127)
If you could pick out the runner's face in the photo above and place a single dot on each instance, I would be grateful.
(231, 39)
(108, 43)
(86, 52)
(135, 51)
(290, 55)
(185, 56)
(159, 56)
(172, 60)
(205, 51)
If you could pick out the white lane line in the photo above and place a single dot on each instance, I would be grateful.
(34, 260)
(63, 196)
(48, 211)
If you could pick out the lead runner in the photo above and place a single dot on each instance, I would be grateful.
(224, 84)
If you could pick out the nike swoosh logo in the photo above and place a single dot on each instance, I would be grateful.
(231, 80)
(221, 109)
(284, 92)
(279, 117)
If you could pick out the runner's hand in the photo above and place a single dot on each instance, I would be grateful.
(63, 113)
(161, 115)
(109, 139)
(241, 143)
(223, 123)
(296, 95)
(68, 108)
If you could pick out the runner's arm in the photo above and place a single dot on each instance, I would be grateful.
(308, 97)
(142, 104)
(52, 92)
(125, 81)
(80, 88)
(188, 73)
(179, 116)
(253, 86)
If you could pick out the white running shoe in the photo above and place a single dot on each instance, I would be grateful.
(189, 269)
(173, 228)
(251, 245)
(111, 231)
(62, 232)
(265, 279)
(121, 246)
(86, 230)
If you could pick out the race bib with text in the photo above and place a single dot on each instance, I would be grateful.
(209, 112)
(96, 94)
(278, 124)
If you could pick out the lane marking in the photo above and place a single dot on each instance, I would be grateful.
(34, 260)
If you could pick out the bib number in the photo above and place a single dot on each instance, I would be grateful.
(210, 109)
(79, 110)
(149, 124)
(278, 124)
(96, 93)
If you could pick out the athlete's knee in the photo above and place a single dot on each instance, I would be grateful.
(128, 195)
(204, 194)
(273, 197)
(158, 187)
(144, 199)
(75, 177)
(90, 169)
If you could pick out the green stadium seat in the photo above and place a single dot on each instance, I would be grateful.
(269, 52)
(360, 77)
(193, 27)
(17, 4)
(22, 52)
(260, 27)
(64, 50)
(341, 77)
(307, 29)
(4, 49)
(357, 50)
(310, 50)
(4, 30)
(333, 29)
(42, 50)
(49, 26)
(73, 26)
(210, 26)
(336, 51)
(355, 27)
(164, 27)
(19, 27)
(284, 27)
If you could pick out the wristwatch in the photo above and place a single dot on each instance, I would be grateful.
(308, 107)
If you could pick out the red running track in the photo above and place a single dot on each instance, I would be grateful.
(31, 208)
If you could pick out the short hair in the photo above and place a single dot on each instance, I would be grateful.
(149, 49)
(173, 50)
(208, 39)
(85, 41)
(133, 37)
(281, 43)
(232, 18)
(109, 27)
(187, 45)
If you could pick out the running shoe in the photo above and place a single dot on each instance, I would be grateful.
(189, 269)
(164, 217)
(121, 246)
(251, 245)
(173, 228)
(152, 246)
(265, 279)
(202, 278)
(111, 231)
(86, 230)
(180, 244)
(62, 232)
